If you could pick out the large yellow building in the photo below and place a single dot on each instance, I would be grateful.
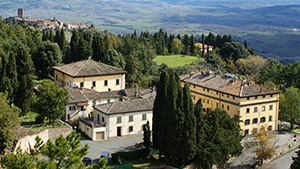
(257, 105)
(90, 74)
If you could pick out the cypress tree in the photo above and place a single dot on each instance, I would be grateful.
(25, 70)
(62, 39)
(201, 157)
(189, 135)
(47, 35)
(4, 82)
(74, 43)
(246, 44)
(192, 45)
(13, 77)
(57, 36)
(158, 109)
(44, 38)
(51, 38)
(147, 135)
(203, 42)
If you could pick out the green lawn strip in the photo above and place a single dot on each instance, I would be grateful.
(175, 60)
(146, 162)
(28, 119)
(296, 131)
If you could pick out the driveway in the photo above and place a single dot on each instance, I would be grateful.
(114, 145)
(283, 162)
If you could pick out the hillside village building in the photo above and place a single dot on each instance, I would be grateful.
(257, 105)
(90, 74)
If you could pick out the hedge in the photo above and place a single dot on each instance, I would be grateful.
(130, 155)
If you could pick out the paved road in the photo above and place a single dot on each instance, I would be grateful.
(243, 161)
(284, 162)
(96, 147)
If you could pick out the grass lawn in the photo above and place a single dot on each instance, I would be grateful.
(175, 60)
(28, 119)
(296, 131)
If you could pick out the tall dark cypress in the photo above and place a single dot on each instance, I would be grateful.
(74, 43)
(203, 47)
(246, 44)
(12, 76)
(192, 45)
(201, 158)
(51, 38)
(4, 80)
(189, 135)
(25, 70)
(158, 109)
(57, 36)
(62, 39)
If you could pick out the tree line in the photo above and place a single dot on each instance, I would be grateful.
(182, 131)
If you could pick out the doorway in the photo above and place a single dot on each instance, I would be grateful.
(119, 131)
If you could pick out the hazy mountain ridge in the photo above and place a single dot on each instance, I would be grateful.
(243, 19)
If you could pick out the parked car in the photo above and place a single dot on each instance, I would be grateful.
(105, 155)
(87, 161)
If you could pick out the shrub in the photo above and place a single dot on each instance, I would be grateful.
(39, 119)
(130, 155)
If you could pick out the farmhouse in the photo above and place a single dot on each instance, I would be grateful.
(257, 105)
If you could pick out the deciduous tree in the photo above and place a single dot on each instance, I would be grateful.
(51, 100)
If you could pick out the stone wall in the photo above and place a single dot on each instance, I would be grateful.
(26, 143)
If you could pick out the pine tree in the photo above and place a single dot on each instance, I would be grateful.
(189, 135)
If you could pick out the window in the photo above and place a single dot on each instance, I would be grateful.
(264, 96)
(81, 84)
(270, 128)
(255, 109)
(248, 98)
(255, 120)
(271, 107)
(108, 100)
(130, 129)
(246, 132)
(217, 92)
(263, 119)
(194, 97)
(203, 100)
(56, 77)
(271, 95)
(207, 101)
(203, 89)
(207, 90)
(270, 118)
(130, 118)
(228, 95)
(94, 103)
(94, 83)
(222, 106)
(119, 120)
(194, 86)
(255, 97)
(102, 119)
(228, 107)
(72, 108)
(248, 110)
(117, 81)
(263, 108)
(247, 122)
(217, 104)
(144, 117)
(233, 97)
(105, 83)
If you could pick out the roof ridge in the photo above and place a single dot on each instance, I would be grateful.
(81, 91)
(94, 63)
(80, 67)
(112, 105)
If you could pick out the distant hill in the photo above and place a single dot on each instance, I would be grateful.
(264, 23)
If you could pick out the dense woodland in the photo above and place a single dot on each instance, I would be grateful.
(29, 54)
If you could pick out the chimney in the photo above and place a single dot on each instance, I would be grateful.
(136, 90)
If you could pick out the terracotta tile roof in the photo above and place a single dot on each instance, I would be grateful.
(88, 68)
(126, 106)
(227, 85)
(76, 96)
